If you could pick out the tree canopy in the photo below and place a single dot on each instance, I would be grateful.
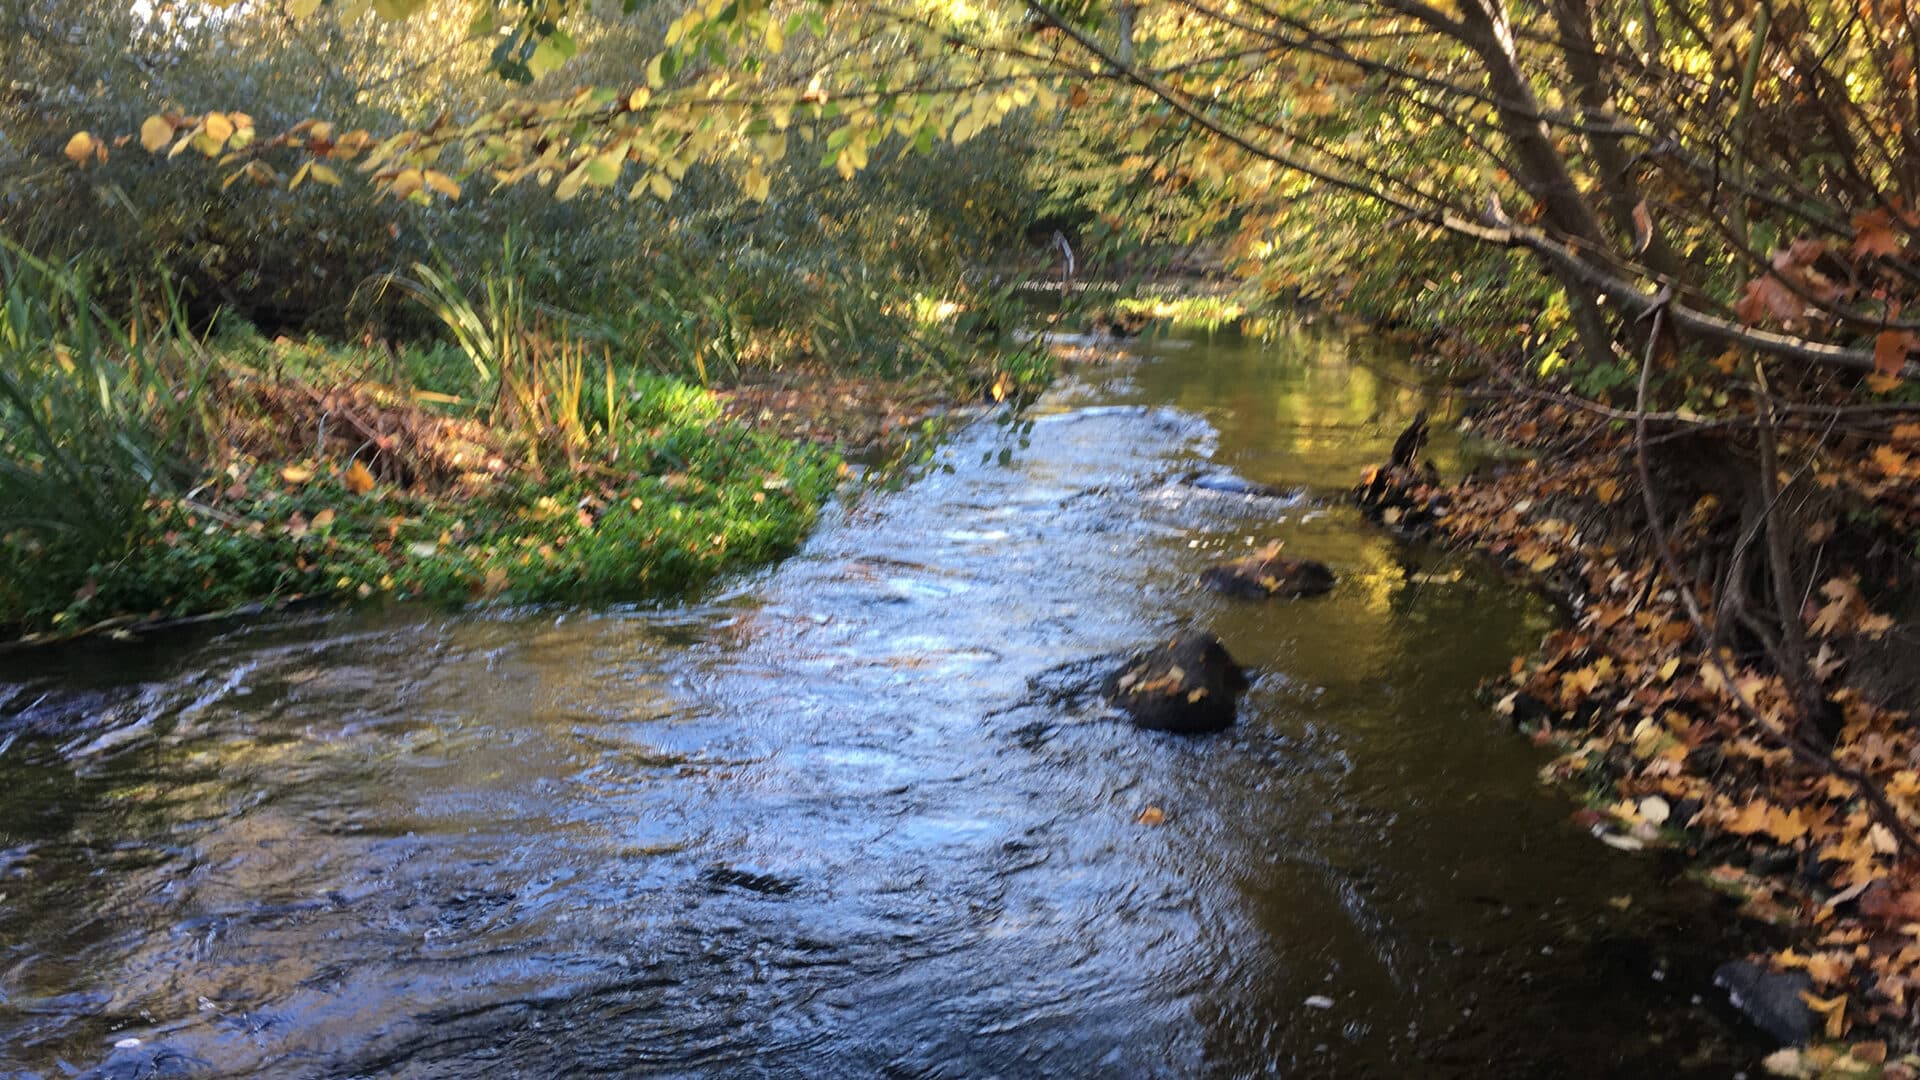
(1746, 170)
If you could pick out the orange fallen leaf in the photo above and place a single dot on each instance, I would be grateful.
(1833, 1008)
(1152, 815)
(358, 479)
(1890, 461)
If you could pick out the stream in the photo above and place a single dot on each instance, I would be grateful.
(818, 824)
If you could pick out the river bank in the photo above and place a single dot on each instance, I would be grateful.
(1690, 741)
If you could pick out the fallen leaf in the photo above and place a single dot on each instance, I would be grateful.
(1873, 235)
(1890, 348)
(1833, 1008)
(358, 479)
(1786, 1061)
(1872, 1053)
(1152, 815)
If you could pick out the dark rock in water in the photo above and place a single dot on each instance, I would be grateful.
(1266, 574)
(1770, 999)
(1234, 485)
(1187, 685)
(728, 877)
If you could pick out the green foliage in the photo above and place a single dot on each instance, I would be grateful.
(99, 420)
(693, 496)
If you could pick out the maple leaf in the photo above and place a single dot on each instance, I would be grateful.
(1778, 293)
(1873, 235)
(1768, 297)
(1576, 685)
(1785, 826)
(1843, 596)
(1749, 819)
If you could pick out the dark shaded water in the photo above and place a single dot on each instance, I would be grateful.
(809, 828)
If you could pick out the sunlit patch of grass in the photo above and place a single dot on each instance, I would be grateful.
(1208, 313)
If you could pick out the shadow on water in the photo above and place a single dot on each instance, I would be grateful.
(810, 828)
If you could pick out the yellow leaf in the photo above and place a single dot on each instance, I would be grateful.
(322, 519)
(300, 9)
(218, 127)
(358, 479)
(1152, 815)
(1785, 826)
(296, 474)
(1578, 684)
(406, 183)
(441, 183)
(1833, 1008)
(325, 175)
(80, 147)
(156, 133)
(660, 186)
(1751, 818)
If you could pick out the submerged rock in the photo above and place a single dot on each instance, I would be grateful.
(1265, 573)
(1229, 484)
(1187, 685)
(1770, 999)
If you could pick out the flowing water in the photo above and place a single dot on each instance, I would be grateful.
(822, 825)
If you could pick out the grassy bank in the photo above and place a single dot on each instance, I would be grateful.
(152, 473)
